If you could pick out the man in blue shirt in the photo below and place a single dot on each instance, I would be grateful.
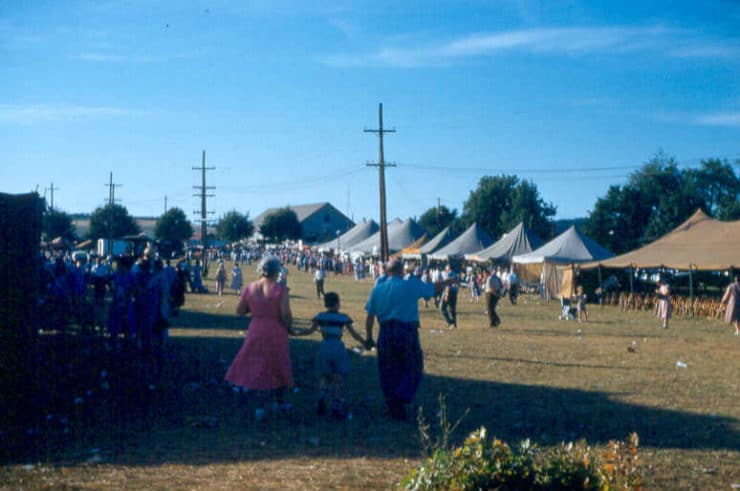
(395, 303)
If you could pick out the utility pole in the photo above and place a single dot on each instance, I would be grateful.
(111, 200)
(381, 165)
(165, 204)
(439, 210)
(203, 194)
(52, 189)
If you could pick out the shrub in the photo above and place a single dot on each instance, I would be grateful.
(480, 463)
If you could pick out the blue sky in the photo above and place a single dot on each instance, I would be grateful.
(570, 95)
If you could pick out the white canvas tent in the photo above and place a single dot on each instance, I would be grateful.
(519, 240)
(549, 263)
(437, 242)
(400, 234)
(355, 235)
(473, 239)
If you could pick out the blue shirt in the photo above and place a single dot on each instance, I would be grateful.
(397, 298)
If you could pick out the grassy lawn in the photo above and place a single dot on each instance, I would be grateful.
(534, 377)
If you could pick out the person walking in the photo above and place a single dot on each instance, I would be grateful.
(236, 279)
(493, 294)
(664, 309)
(220, 278)
(263, 362)
(319, 277)
(731, 300)
(448, 300)
(332, 360)
(395, 303)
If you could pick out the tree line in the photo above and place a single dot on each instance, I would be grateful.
(655, 199)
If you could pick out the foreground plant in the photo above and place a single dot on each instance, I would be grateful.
(480, 463)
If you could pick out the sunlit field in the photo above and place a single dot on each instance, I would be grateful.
(534, 377)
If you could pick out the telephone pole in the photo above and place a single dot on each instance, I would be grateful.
(165, 204)
(111, 200)
(381, 165)
(52, 189)
(203, 194)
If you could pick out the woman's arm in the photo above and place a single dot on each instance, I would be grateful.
(286, 316)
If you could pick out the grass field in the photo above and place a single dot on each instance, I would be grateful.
(534, 377)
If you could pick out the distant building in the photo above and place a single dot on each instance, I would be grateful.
(319, 221)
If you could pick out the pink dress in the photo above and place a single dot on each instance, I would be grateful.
(263, 361)
(665, 309)
(732, 297)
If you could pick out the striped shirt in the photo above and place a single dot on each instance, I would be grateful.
(332, 323)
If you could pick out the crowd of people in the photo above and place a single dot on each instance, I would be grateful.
(133, 300)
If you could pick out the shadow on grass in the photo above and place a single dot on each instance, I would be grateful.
(190, 416)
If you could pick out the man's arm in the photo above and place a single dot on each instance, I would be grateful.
(369, 321)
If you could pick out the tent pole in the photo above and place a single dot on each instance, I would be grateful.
(632, 290)
(601, 295)
(691, 292)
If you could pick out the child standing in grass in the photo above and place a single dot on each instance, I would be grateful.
(581, 305)
(332, 360)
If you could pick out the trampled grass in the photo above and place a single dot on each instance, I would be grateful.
(534, 377)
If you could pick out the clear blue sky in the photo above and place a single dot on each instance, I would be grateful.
(571, 95)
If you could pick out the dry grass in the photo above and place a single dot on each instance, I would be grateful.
(535, 377)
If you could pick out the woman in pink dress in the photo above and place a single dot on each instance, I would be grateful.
(732, 299)
(664, 308)
(263, 362)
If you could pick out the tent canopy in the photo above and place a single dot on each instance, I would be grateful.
(473, 239)
(519, 240)
(355, 235)
(700, 243)
(400, 234)
(569, 247)
(437, 242)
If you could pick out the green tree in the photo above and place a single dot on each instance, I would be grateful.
(436, 219)
(281, 225)
(500, 202)
(657, 198)
(122, 223)
(718, 186)
(173, 226)
(234, 226)
(56, 223)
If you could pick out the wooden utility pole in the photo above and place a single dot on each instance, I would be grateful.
(165, 204)
(381, 165)
(52, 189)
(203, 194)
(111, 200)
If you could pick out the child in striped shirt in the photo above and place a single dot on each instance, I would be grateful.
(332, 360)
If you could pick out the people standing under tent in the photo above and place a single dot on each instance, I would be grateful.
(220, 278)
(448, 299)
(319, 277)
(394, 302)
(493, 294)
(664, 308)
(263, 361)
(513, 286)
(731, 300)
(236, 279)
(580, 299)
(332, 361)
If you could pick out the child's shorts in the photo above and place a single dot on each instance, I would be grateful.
(332, 357)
